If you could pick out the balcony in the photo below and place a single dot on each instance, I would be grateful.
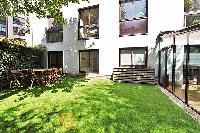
(54, 36)
(132, 27)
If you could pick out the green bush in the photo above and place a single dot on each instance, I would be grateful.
(18, 56)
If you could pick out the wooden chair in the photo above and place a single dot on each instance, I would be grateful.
(16, 78)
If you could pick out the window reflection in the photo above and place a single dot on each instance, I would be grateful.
(133, 17)
(89, 22)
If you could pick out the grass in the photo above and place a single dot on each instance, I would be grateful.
(90, 106)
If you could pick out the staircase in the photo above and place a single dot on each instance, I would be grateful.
(134, 75)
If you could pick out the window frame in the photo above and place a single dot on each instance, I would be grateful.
(134, 48)
(134, 19)
(79, 27)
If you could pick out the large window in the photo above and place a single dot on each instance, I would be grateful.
(134, 57)
(54, 32)
(89, 22)
(133, 17)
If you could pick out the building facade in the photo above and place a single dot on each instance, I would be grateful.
(102, 34)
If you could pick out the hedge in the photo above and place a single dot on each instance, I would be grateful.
(18, 56)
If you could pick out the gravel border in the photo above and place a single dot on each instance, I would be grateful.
(181, 104)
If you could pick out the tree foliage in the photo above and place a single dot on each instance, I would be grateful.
(188, 5)
(191, 5)
(42, 8)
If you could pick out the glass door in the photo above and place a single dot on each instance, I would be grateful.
(89, 61)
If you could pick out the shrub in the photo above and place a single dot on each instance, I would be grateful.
(18, 56)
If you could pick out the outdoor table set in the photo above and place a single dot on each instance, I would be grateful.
(28, 77)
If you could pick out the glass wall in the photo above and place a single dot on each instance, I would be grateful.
(180, 73)
(194, 77)
(179, 77)
(163, 66)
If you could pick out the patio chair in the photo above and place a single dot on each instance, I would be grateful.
(57, 73)
(16, 78)
(28, 77)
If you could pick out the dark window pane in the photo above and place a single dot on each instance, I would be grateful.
(133, 27)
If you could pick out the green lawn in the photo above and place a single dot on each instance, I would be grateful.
(92, 106)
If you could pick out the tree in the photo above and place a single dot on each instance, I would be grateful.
(188, 5)
(42, 8)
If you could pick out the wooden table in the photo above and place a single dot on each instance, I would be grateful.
(44, 75)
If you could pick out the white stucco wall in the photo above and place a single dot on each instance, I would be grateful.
(162, 15)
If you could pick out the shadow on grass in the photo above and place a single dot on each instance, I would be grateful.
(102, 107)
(65, 84)
(28, 121)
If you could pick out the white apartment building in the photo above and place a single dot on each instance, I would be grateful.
(103, 34)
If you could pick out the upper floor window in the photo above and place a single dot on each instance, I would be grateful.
(54, 32)
(133, 17)
(89, 22)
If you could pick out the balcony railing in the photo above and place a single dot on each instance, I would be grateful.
(54, 36)
(132, 27)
